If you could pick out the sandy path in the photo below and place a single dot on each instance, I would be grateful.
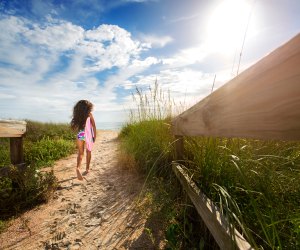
(94, 214)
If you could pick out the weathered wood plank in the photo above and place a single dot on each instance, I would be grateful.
(210, 214)
(11, 128)
(263, 102)
(16, 150)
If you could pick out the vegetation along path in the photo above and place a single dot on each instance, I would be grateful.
(97, 213)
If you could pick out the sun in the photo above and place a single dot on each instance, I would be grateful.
(226, 25)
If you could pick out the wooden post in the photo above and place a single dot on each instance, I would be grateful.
(16, 150)
(179, 147)
(15, 131)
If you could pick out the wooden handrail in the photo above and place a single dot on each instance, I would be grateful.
(263, 102)
(12, 128)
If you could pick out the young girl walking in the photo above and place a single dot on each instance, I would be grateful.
(84, 124)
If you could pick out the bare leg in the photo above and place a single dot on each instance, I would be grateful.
(88, 160)
(80, 147)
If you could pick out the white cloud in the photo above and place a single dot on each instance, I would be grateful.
(187, 56)
(104, 33)
(12, 51)
(109, 46)
(7, 96)
(12, 28)
(184, 18)
(154, 41)
(121, 78)
(144, 63)
(106, 46)
(186, 86)
(52, 65)
(179, 81)
(59, 36)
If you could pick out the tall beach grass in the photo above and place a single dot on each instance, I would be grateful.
(255, 183)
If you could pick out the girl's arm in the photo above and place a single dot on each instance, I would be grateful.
(94, 125)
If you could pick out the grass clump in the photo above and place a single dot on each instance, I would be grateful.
(255, 183)
(152, 153)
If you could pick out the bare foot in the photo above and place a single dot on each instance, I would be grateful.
(79, 176)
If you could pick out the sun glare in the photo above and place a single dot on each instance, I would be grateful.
(226, 25)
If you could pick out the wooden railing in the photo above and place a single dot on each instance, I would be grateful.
(263, 102)
(15, 131)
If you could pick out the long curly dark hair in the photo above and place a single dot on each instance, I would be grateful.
(81, 111)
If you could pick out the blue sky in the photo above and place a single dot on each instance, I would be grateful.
(54, 53)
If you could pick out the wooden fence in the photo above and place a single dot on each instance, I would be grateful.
(15, 131)
(263, 102)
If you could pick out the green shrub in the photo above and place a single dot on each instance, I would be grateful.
(23, 190)
(45, 151)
